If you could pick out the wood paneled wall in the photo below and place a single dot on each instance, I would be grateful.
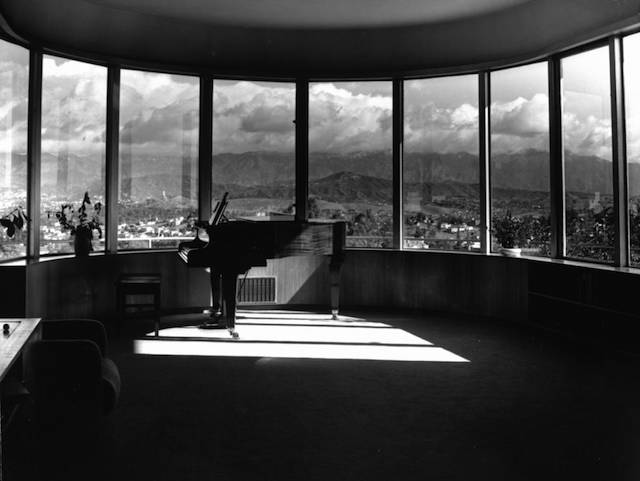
(596, 303)
(85, 287)
(493, 286)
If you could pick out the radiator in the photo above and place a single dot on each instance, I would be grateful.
(256, 290)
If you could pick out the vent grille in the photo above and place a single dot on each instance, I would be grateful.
(256, 290)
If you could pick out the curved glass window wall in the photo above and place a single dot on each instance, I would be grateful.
(14, 84)
(74, 96)
(350, 131)
(632, 99)
(441, 166)
(254, 154)
(586, 132)
(432, 179)
(158, 185)
(519, 165)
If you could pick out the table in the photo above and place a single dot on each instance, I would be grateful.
(12, 342)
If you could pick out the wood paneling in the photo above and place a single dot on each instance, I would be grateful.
(12, 280)
(485, 285)
(596, 303)
(85, 287)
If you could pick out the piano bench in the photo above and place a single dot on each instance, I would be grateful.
(140, 292)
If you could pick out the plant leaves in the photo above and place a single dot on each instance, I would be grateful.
(18, 222)
(11, 230)
(5, 222)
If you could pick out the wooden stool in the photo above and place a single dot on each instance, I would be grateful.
(139, 285)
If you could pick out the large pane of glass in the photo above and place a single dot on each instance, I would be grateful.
(520, 158)
(74, 98)
(350, 158)
(254, 146)
(586, 127)
(158, 185)
(441, 202)
(632, 102)
(14, 82)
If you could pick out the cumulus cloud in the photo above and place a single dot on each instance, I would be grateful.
(633, 137)
(431, 128)
(14, 81)
(520, 124)
(162, 128)
(73, 106)
(158, 113)
(262, 119)
(253, 116)
(342, 118)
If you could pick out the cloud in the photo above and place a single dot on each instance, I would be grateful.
(14, 81)
(253, 116)
(166, 126)
(158, 113)
(73, 106)
(262, 119)
(520, 124)
(430, 128)
(344, 118)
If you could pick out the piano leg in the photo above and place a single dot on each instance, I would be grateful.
(216, 320)
(335, 265)
(229, 296)
(216, 295)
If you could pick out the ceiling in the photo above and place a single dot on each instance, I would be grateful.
(317, 14)
(314, 38)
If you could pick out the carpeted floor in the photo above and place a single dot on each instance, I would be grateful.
(526, 406)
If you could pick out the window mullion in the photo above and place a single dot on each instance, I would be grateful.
(484, 136)
(619, 154)
(398, 139)
(112, 160)
(34, 153)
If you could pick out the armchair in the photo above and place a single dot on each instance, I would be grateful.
(68, 372)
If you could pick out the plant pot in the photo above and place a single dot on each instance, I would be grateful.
(82, 243)
(511, 251)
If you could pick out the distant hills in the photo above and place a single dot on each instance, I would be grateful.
(527, 170)
(352, 177)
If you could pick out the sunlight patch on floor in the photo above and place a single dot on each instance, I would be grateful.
(295, 350)
(297, 317)
(322, 334)
(287, 334)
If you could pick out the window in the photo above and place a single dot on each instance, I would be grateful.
(350, 158)
(520, 155)
(586, 129)
(74, 98)
(441, 202)
(14, 81)
(254, 146)
(632, 103)
(158, 185)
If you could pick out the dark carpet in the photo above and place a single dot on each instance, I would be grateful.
(528, 406)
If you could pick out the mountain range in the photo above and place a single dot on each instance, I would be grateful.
(353, 177)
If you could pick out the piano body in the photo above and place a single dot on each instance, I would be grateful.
(236, 246)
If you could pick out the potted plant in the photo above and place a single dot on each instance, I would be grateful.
(14, 221)
(80, 224)
(509, 232)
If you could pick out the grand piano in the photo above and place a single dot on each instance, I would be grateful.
(237, 245)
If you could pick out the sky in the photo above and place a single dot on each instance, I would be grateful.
(159, 112)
